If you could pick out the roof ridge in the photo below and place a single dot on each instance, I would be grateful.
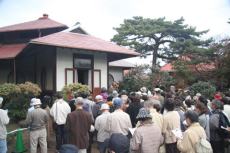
(88, 35)
(18, 26)
(83, 41)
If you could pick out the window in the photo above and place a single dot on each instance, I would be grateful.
(82, 63)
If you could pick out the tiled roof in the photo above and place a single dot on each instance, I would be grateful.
(41, 23)
(199, 67)
(167, 68)
(121, 63)
(11, 50)
(82, 41)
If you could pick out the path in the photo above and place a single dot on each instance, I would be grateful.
(51, 144)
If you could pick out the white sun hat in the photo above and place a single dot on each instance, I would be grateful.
(36, 102)
(104, 107)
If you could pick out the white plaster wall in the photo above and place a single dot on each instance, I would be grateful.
(65, 60)
(100, 63)
(117, 73)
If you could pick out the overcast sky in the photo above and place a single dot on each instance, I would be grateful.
(98, 17)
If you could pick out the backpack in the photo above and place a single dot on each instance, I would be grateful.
(223, 123)
(203, 146)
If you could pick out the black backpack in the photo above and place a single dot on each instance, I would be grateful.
(223, 123)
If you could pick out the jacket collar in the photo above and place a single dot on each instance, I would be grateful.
(194, 124)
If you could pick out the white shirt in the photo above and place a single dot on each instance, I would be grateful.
(31, 109)
(227, 111)
(100, 126)
(118, 122)
(4, 119)
(59, 111)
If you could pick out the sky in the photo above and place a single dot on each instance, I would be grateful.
(99, 17)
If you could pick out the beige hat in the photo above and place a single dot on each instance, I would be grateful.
(104, 107)
(36, 102)
(32, 101)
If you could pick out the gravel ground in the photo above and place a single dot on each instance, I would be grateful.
(51, 144)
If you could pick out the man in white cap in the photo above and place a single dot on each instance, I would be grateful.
(96, 108)
(37, 120)
(100, 126)
(4, 120)
(31, 104)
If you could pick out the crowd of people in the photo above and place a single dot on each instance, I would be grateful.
(136, 122)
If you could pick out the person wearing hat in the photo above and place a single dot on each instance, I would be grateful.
(216, 140)
(4, 120)
(78, 125)
(157, 95)
(96, 108)
(31, 104)
(68, 148)
(100, 126)
(118, 143)
(37, 120)
(147, 138)
(118, 121)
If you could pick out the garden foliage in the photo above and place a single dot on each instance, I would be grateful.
(205, 88)
(17, 98)
(76, 88)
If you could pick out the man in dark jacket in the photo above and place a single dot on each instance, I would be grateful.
(78, 126)
(133, 109)
(216, 140)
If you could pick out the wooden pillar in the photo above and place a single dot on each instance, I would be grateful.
(35, 68)
(14, 67)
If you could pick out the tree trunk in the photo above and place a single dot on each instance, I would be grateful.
(154, 61)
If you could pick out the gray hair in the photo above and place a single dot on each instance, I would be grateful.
(151, 102)
(79, 101)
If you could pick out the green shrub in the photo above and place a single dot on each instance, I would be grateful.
(131, 83)
(163, 79)
(7, 90)
(17, 98)
(205, 88)
(75, 88)
(30, 89)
